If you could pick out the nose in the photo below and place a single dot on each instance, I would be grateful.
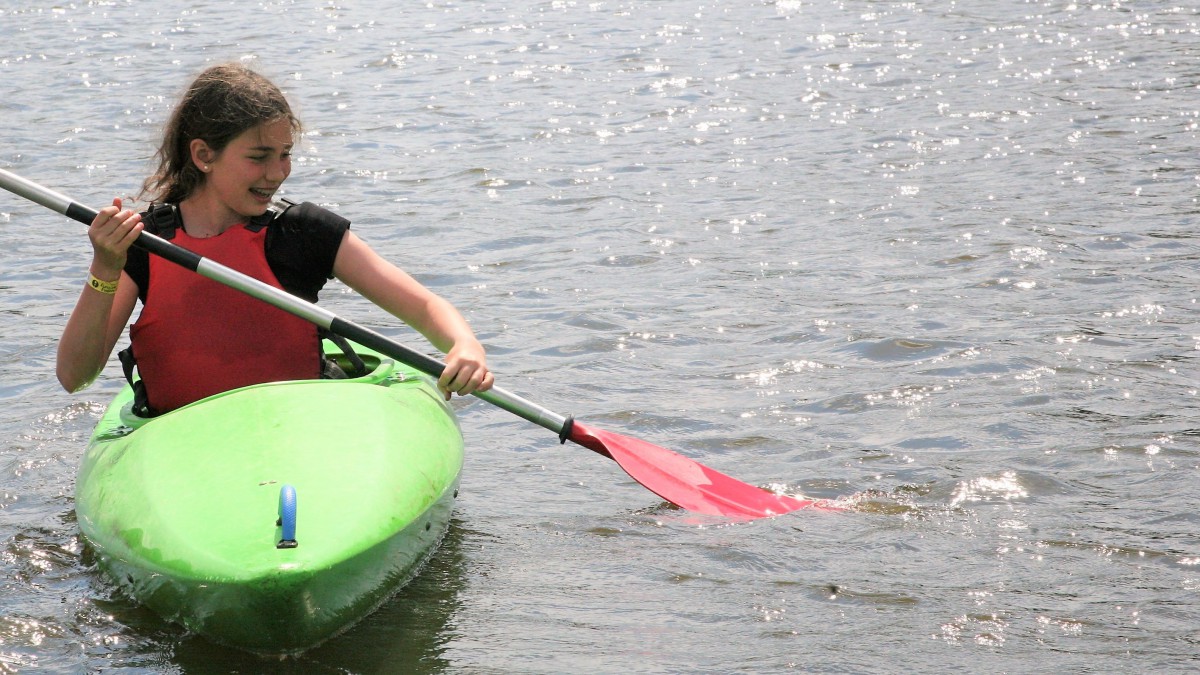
(279, 170)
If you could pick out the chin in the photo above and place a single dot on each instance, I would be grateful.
(255, 210)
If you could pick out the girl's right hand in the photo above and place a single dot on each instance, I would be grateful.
(112, 232)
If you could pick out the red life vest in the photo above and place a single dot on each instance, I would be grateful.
(196, 337)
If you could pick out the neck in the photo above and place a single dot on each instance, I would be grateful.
(202, 219)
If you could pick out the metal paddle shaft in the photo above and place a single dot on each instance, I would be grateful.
(675, 478)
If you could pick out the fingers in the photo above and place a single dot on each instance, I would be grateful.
(114, 216)
(112, 232)
(464, 379)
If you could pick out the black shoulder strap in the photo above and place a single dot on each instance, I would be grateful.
(270, 215)
(359, 367)
(162, 220)
(141, 402)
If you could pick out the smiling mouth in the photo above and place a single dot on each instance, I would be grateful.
(265, 194)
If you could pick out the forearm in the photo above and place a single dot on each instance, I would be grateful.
(100, 314)
(89, 336)
(81, 351)
(434, 317)
(392, 289)
(442, 324)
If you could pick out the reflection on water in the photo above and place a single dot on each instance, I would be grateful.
(407, 633)
(1005, 487)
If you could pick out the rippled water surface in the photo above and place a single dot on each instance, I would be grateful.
(937, 259)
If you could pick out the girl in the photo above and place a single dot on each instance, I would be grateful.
(226, 151)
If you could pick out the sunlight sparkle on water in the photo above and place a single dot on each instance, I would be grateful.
(1005, 487)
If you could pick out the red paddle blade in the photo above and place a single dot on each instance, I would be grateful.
(683, 482)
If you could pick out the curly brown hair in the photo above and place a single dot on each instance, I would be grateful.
(223, 102)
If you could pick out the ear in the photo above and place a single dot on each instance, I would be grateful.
(202, 155)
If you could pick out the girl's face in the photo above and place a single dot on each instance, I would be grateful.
(244, 176)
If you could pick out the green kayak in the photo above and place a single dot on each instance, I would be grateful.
(272, 517)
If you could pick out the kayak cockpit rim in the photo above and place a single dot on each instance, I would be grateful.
(378, 369)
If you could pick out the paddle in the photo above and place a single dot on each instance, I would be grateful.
(677, 479)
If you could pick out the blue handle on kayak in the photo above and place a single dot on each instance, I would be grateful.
(287, 517)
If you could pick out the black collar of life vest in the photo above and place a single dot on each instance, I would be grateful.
(165, 219)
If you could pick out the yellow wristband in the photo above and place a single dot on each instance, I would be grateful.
(105, 287)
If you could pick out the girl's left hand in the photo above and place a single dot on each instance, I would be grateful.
(466, 370)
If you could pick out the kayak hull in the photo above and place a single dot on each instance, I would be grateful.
(186, 511)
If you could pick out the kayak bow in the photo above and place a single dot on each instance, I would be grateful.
(271, 518)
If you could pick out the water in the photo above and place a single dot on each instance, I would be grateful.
(935, 258)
